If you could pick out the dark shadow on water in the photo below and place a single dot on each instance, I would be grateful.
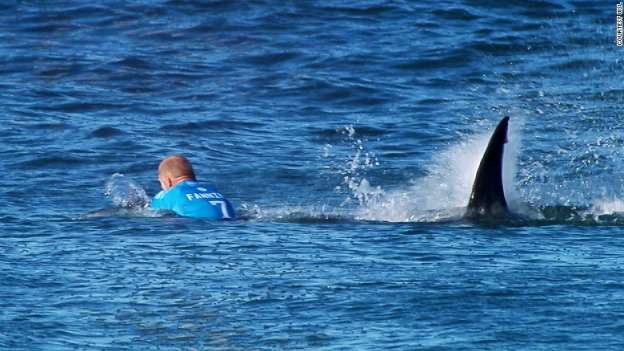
(105, 132)
(545, 216)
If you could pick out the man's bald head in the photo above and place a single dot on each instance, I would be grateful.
(173, 170)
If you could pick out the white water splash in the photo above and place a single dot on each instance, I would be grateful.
(607, 207)
(129, 200)
(358, 163)
(126, 193)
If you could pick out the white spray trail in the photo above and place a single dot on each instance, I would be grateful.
(607, 206)
(440, 195)
(444, 192)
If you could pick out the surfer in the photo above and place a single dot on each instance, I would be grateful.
(183, 195)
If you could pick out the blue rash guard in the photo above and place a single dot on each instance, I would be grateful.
(190, 199)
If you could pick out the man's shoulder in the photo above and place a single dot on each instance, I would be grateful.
(160, 195)
(169, 194)
(196, 187)
(162, 200)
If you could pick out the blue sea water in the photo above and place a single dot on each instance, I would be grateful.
(347, 134)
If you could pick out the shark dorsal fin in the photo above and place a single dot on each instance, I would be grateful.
(488, 197)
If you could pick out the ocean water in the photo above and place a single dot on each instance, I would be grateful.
(347, 135)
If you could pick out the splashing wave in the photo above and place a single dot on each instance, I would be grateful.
(126, 193)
